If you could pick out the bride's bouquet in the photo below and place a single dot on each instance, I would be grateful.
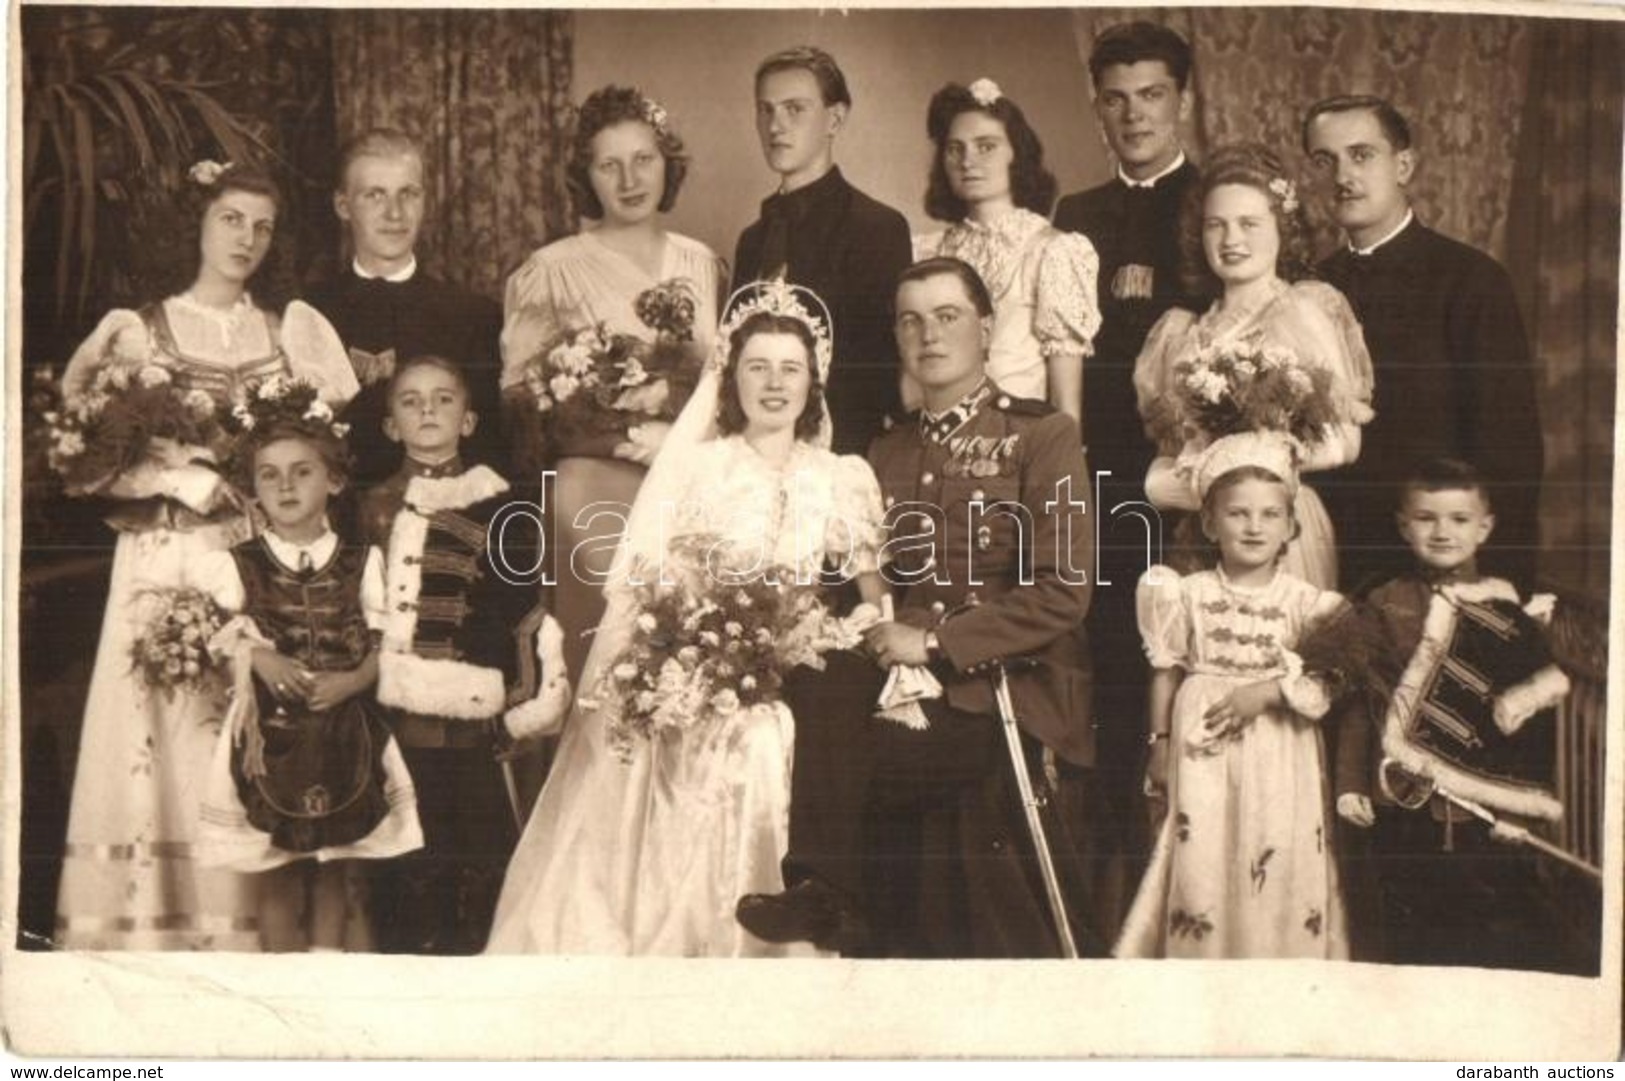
(1246, 386)
(712, 639)
(593, 383)
(90, 439)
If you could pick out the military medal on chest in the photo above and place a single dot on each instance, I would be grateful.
(980, 456)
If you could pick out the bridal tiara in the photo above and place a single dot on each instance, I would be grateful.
(779, 297)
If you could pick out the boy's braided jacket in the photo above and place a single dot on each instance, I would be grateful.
(464, 639)
(1460, 687)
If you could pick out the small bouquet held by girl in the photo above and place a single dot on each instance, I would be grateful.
(597, 386)
(172, 653)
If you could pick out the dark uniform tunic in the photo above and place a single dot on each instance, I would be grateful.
(1136, 232)
(849, 249)
(1452, 377)
(383, 323)
(942, 864)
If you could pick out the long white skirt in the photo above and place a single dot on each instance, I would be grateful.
(649, 857)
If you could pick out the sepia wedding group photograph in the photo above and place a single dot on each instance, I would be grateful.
(777, 532)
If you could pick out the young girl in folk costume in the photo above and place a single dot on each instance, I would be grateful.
(647, 834)
(130, 879)
(989, 182)
(1244, 230)
(1242, 866)
(305, 766)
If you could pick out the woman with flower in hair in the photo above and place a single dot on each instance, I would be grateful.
(1275, 351)
(625, 168)
(988, 179)
(131, 879)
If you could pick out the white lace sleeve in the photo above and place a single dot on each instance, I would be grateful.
(1159, 603)
(856, 529)
(316, 355)
(121, 334)
(1152, 371)
(1066, 317)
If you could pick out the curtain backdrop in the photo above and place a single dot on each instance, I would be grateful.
(1460, 80)
(1563, 248)
(488, 94)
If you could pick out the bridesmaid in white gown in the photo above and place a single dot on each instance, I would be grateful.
(649, 856)
(130, 879)
(1245, 227)
(625, 169)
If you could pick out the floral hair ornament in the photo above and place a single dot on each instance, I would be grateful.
(1287, 192)
(208, 173)
(286, 400)
(779, 297)
(654, 114)
(985, 92)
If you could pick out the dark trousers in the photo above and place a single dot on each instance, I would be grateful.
(1121, 675)
(440, 899)
(1449, 895)
(919, 829)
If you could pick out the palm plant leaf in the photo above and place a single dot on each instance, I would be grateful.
(84, 145)
(146, 156)
(124, 115)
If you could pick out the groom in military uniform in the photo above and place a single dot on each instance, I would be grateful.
(908, 840)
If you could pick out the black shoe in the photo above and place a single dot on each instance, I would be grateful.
(809, 911)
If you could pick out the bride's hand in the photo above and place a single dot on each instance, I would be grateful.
(643, 442)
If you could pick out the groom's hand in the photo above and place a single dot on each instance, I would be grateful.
(892, 644)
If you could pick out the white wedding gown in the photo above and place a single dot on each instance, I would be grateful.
(649, 857)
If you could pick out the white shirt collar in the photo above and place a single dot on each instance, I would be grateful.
(1410, 216)
(1151, 181)
(287, 553)
(401, 275)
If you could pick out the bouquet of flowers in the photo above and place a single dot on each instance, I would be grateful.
(172, 651)
(90, 439)
(709, 642)
(1248, 387)
(593, 383)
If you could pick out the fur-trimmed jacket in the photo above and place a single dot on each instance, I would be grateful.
(464, 639)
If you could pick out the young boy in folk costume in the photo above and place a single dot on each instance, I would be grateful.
(1471, 710)
(467, 663)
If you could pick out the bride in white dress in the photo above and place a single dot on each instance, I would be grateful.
(647, 853)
